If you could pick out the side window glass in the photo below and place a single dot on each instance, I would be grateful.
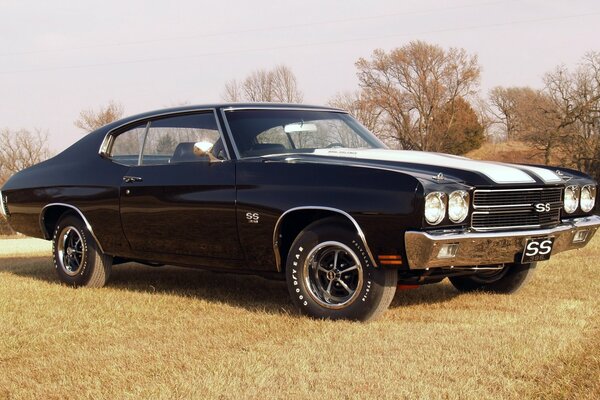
(126, 147)
(172, 140)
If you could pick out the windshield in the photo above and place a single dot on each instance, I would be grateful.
(262, 132)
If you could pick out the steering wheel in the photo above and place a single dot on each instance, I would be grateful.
(332, 145)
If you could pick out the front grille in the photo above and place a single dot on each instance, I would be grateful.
(516, 208)
(515, 198)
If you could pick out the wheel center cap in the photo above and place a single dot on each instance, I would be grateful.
(331, 275)
(69, 251)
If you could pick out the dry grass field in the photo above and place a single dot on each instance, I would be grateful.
(177, 333)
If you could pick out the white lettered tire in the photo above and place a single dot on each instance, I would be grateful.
(77, 258)
(330, 275)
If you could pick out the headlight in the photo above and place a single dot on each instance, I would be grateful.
(588, 198)
(435, 207)
(458, 206)
(571, 199)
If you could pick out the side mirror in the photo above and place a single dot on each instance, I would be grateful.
(203, 149)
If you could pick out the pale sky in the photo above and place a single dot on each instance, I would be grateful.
(59, 57)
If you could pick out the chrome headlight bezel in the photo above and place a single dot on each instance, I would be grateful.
(588, 204)
(460, 199)
(435, 198)
(571, 204)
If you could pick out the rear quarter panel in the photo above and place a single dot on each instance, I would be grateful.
(78, 177)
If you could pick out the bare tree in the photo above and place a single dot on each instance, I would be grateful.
(276, 85)
(232, 92)
(507, 105)
(411, 85)
(562, 120)
(89, 120)
(359, 105)
(285, 86)
(21, 149)
(258, 86)
(485, 117)
(540, 124)
(576, 99)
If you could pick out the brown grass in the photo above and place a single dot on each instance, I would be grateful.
(177, 333)
(510, 152)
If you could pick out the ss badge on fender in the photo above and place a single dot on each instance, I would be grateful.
(538, 249)
(252, 217)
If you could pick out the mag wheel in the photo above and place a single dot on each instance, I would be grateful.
(77, 258)
(330, 275)
(507, 280)
(333, 275)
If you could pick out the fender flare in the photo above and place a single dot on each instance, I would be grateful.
(277, 228)
(47, 235)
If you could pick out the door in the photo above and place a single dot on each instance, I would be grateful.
(173, 201)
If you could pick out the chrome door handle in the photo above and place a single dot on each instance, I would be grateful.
(131, 179)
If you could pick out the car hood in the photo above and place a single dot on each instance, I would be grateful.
(472, 172)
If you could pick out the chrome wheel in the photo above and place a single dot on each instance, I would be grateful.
(333, 274)
(71, 251)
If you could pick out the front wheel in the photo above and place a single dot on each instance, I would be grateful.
(77, 258)
(506, 281)
(330, 275)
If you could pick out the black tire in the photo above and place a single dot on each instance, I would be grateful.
(507, 281)
(77, 257)
(367, 291)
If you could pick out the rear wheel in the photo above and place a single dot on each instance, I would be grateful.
(506, 281)
(330, 275)
(77, 257)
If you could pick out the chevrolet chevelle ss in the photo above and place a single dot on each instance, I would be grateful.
(300, 193)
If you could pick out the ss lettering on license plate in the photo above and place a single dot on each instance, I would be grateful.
(538, 249)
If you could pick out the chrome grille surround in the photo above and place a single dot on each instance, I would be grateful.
(500, 209)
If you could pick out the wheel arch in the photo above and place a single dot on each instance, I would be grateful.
(294, 220)
(52, 212)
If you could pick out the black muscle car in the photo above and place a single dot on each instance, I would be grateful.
(301, 193)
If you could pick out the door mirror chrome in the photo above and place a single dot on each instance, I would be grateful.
(203, 149)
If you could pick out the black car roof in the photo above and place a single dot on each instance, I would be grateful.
(218, 106)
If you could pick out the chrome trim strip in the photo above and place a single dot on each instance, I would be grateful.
(489, 248)
(228, 129)
(522, 211)
(221, 134)
(336, 210)
(141, 155)
(234, 108)
(87, 224)
(504, 206)
(513, 190)
(505, 228)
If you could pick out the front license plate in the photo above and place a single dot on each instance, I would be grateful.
(538, 249)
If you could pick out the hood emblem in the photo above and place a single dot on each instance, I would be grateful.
(439, 177)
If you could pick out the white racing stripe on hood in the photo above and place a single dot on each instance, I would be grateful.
(544, 174)
(499, 173)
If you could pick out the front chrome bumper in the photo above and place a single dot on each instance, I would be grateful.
(488, 248)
